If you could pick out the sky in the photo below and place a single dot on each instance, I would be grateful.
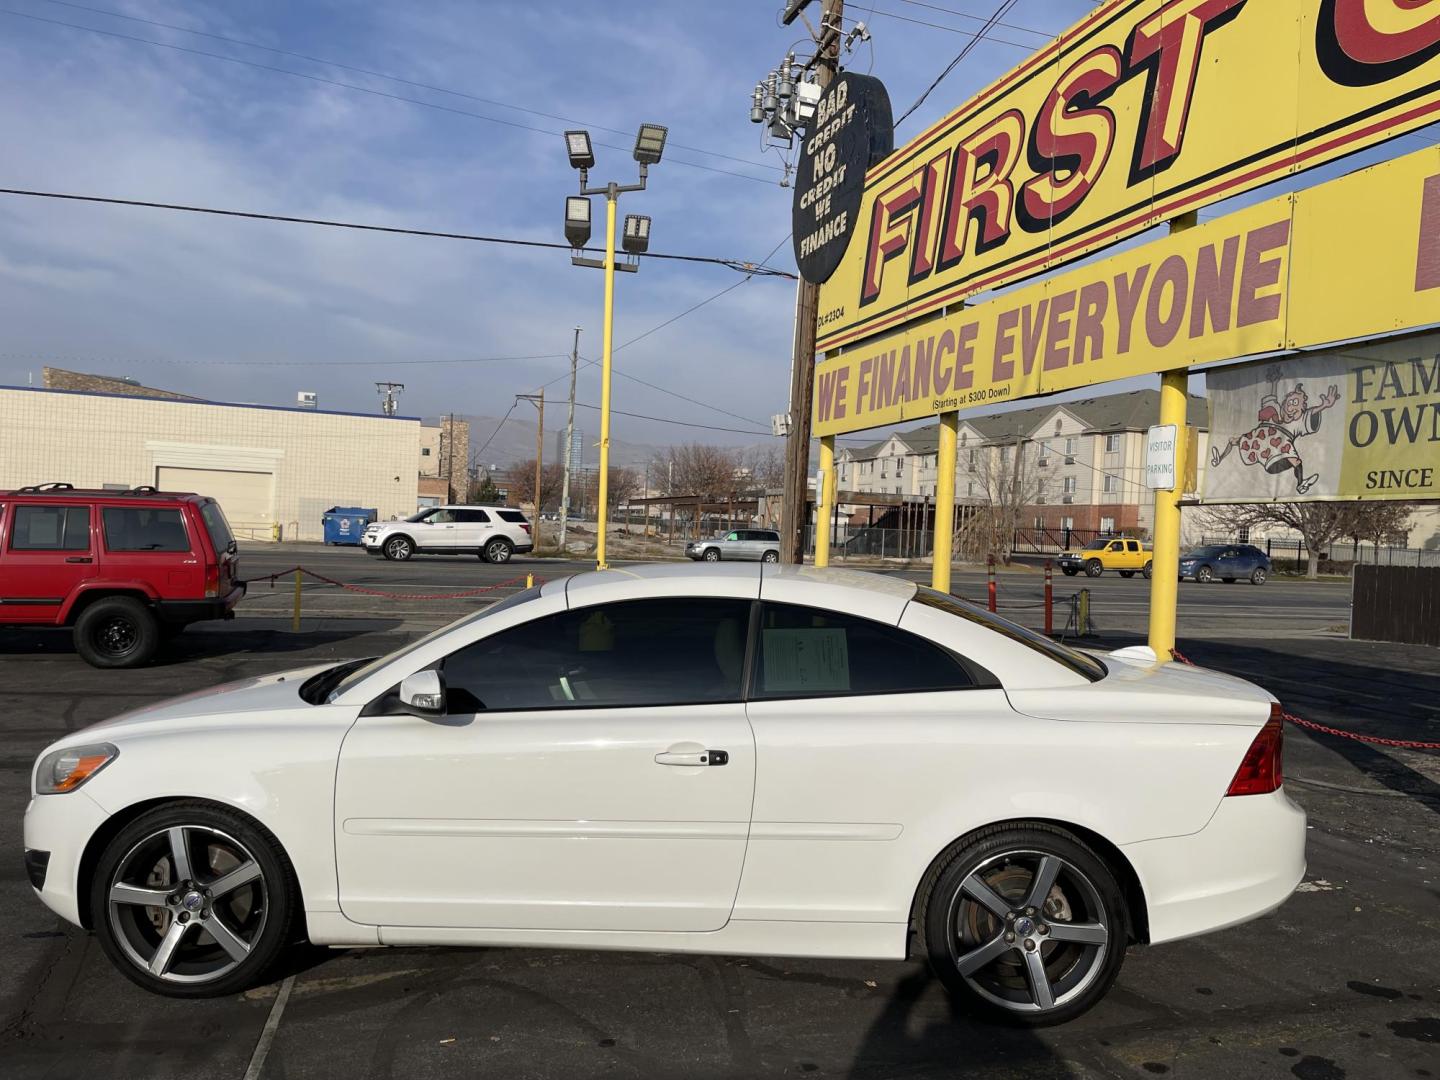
(249, 311)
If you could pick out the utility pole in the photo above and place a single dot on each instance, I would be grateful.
(389, 396)
(538, 400)
(793, 516)
(569, 443)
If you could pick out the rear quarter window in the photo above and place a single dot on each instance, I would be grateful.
(514, 516)
(216, 526)
(144, 528)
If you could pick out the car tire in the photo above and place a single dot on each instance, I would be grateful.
(1148, 570)
(116, 632)
(498, 550)
(1094, 568)
(770, 557)
(256, 912)
(1204, 575)
(399, 548)
(1126, 573)
(1069, 571)
(711, 555)
(1259, 576)
(979, 918)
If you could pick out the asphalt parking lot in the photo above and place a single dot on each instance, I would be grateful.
(1344, 981)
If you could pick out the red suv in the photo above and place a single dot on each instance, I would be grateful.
(124, 568)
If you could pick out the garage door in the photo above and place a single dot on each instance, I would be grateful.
(246, 497)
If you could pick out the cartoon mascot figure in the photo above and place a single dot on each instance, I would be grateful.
(1273, 442)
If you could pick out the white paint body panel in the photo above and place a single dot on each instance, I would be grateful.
(558, 828)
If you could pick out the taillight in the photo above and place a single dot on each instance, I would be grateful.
(526, 526)
(1260, 770)
(212, 579)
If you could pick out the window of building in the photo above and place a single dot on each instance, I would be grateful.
(970, 489)
(139, 528)
(1107, 524)
(1244, 536)
(1069, 485)
(682, 651)
(807, 652)
(1057, 425)
(1112, 484)
(972, 457)
(1070, 446)
(1067, 523)
(425, 451)
(51, 528)
(1112, 444)
(899, 466)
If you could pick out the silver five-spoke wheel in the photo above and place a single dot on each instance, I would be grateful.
(187, 903)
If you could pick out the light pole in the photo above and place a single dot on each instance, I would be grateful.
(649, 146)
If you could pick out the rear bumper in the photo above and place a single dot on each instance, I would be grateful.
(521, 549)
(189, 611)
(1244, 864)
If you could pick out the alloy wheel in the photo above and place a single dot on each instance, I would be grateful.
(498, 552)
(399, 548)
(1204, 575)
(1029, 931)
(187, 904)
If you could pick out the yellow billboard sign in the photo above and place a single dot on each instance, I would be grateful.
(1142, 111)
(1355, 257)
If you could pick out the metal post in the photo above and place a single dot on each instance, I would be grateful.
(1166, 555)
(539, 459)
(825, 502)
(944, 501)
(1049, 598)
(602, 511)
(569, 445)
(990, 571)
(295, 618)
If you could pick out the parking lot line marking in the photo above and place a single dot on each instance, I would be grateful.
(267, 1035)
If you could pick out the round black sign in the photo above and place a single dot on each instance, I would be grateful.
(851, 130)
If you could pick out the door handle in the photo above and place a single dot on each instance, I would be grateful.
(691, 754)
(79, 558)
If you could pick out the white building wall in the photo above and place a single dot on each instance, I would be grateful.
(317, 459)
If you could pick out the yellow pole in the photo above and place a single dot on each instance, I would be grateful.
(1165, 559)
(529, 581)
(295, 618)
(825, 503)
(944, 501)
(602, 514)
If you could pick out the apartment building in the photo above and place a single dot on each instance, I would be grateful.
(1080, 466)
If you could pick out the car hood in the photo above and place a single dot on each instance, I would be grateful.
(247, 698)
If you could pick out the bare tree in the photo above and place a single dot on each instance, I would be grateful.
(704, 470)
(1007, 483)
(766, 464)
(1319, 523)
(624, 484)
(522, 484)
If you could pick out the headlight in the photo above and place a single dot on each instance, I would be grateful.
(65, 770)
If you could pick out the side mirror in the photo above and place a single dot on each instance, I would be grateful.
(423, 694)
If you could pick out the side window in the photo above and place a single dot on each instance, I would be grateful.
(136, 528)
(1132, 545)
(51, 528)
(472, 516)
(683, 651)
(441, 517)
(1118, 545)
(807, 652)
(732, 536)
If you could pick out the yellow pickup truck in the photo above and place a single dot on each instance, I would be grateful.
(1122, 554)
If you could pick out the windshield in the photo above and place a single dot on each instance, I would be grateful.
(358, 675)
(420, 515)
(1208, 552)
(1076, 661)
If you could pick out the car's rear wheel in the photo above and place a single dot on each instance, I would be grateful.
(1258, 576)
(1094, 568)
(193, 900)
(399, 548)
(498, 551)
(1204, 575)
(712, 555)
(1149, 569)
(116, 632)
(770, 556)
(1024, 924)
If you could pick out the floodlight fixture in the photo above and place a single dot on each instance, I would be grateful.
(577, 144)
(577, 220)
(637, 233)
(650, 143)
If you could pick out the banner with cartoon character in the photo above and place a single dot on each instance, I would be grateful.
(1358, 422)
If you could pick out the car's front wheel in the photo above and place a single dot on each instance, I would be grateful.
(1025, 924)
(116, 632)
(1204, 575)
(498, 551)
(399, 548)
(1069, 571)
(1094, 568)
(193, 900)
(712, 555)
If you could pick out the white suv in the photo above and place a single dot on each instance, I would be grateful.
(492, 532)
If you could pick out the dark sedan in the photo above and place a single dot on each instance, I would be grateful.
(1228, 562)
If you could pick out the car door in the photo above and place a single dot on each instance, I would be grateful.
(439, 531)
(472, 529)
(749, 544)
(594, 771)
(49, 552)
(1133, 557)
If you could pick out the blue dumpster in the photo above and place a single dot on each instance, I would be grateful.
(346, 524)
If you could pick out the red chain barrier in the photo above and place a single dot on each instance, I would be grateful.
(1310, 725)
(458, 594)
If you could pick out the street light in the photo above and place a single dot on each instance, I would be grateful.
(577, 221)
(649, 147)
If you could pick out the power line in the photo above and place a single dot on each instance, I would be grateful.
(352, 86)
(953, 30)
(496, 431)
(280, 363)
(1000, 12)
(932, 7)
(748, 269)
(667, 420)
(391, 78)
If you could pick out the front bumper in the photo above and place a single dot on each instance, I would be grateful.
(61, 825)
(1244, 864)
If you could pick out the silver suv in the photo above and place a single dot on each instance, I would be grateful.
(492, 532)
(762, 544)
